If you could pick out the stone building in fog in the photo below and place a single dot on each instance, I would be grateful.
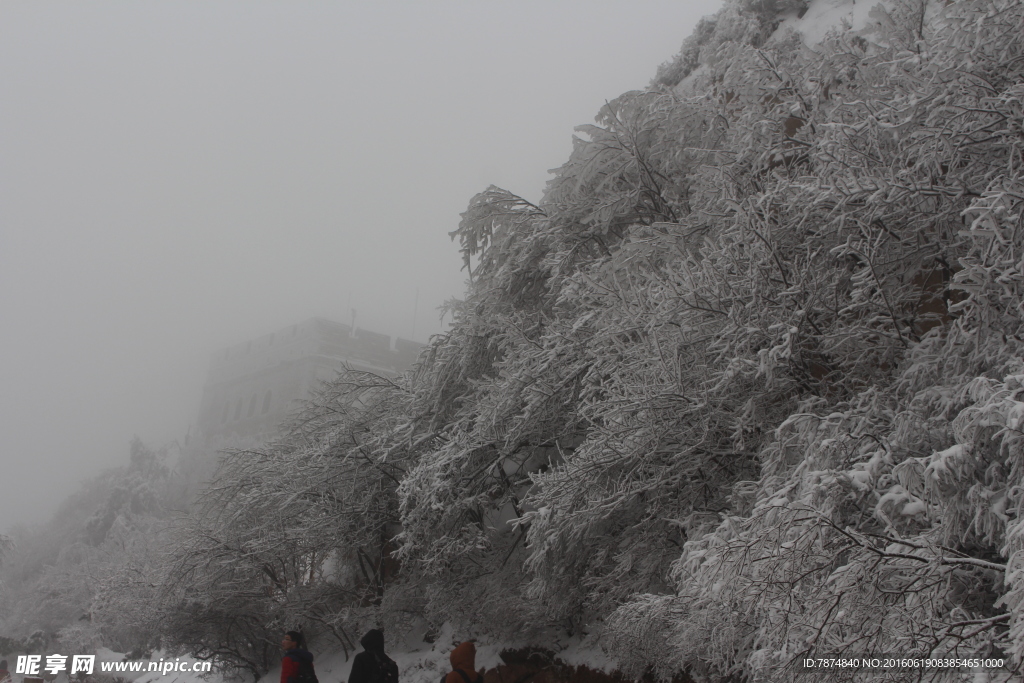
(253, 386)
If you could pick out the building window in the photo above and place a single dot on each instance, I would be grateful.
(266, 403)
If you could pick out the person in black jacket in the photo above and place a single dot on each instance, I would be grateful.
(372, 665)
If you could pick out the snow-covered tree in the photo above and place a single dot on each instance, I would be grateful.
(744, 387)
(295, 534)
(727, 356)
(88, 572)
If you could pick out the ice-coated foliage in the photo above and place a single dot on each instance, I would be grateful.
(294, 534)
(745, 386)
(749, 351)
(87, 576)
(885, 515)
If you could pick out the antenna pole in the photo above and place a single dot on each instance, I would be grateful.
(415, 309)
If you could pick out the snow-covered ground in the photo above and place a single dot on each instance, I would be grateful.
(421, 662)
(418, 661)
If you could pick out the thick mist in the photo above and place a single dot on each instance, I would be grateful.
(178, 177)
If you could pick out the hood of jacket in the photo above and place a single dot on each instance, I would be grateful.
(299, 655)
(464, 657)
(373, 641)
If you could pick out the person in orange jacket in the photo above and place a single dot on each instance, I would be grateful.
(463, 659)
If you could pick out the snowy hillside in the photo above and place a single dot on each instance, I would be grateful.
(742, 390)
(745, 389)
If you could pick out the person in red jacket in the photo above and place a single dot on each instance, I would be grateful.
(297, 665)
(463, 659)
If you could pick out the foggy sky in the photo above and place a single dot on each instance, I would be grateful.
(182, 176)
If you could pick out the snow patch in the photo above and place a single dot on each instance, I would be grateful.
(900, 499)
(943, 463)
(916, 507)
(586, 652)
(685, 87)
(823, 16)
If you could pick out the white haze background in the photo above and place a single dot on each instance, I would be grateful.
(177, 177)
